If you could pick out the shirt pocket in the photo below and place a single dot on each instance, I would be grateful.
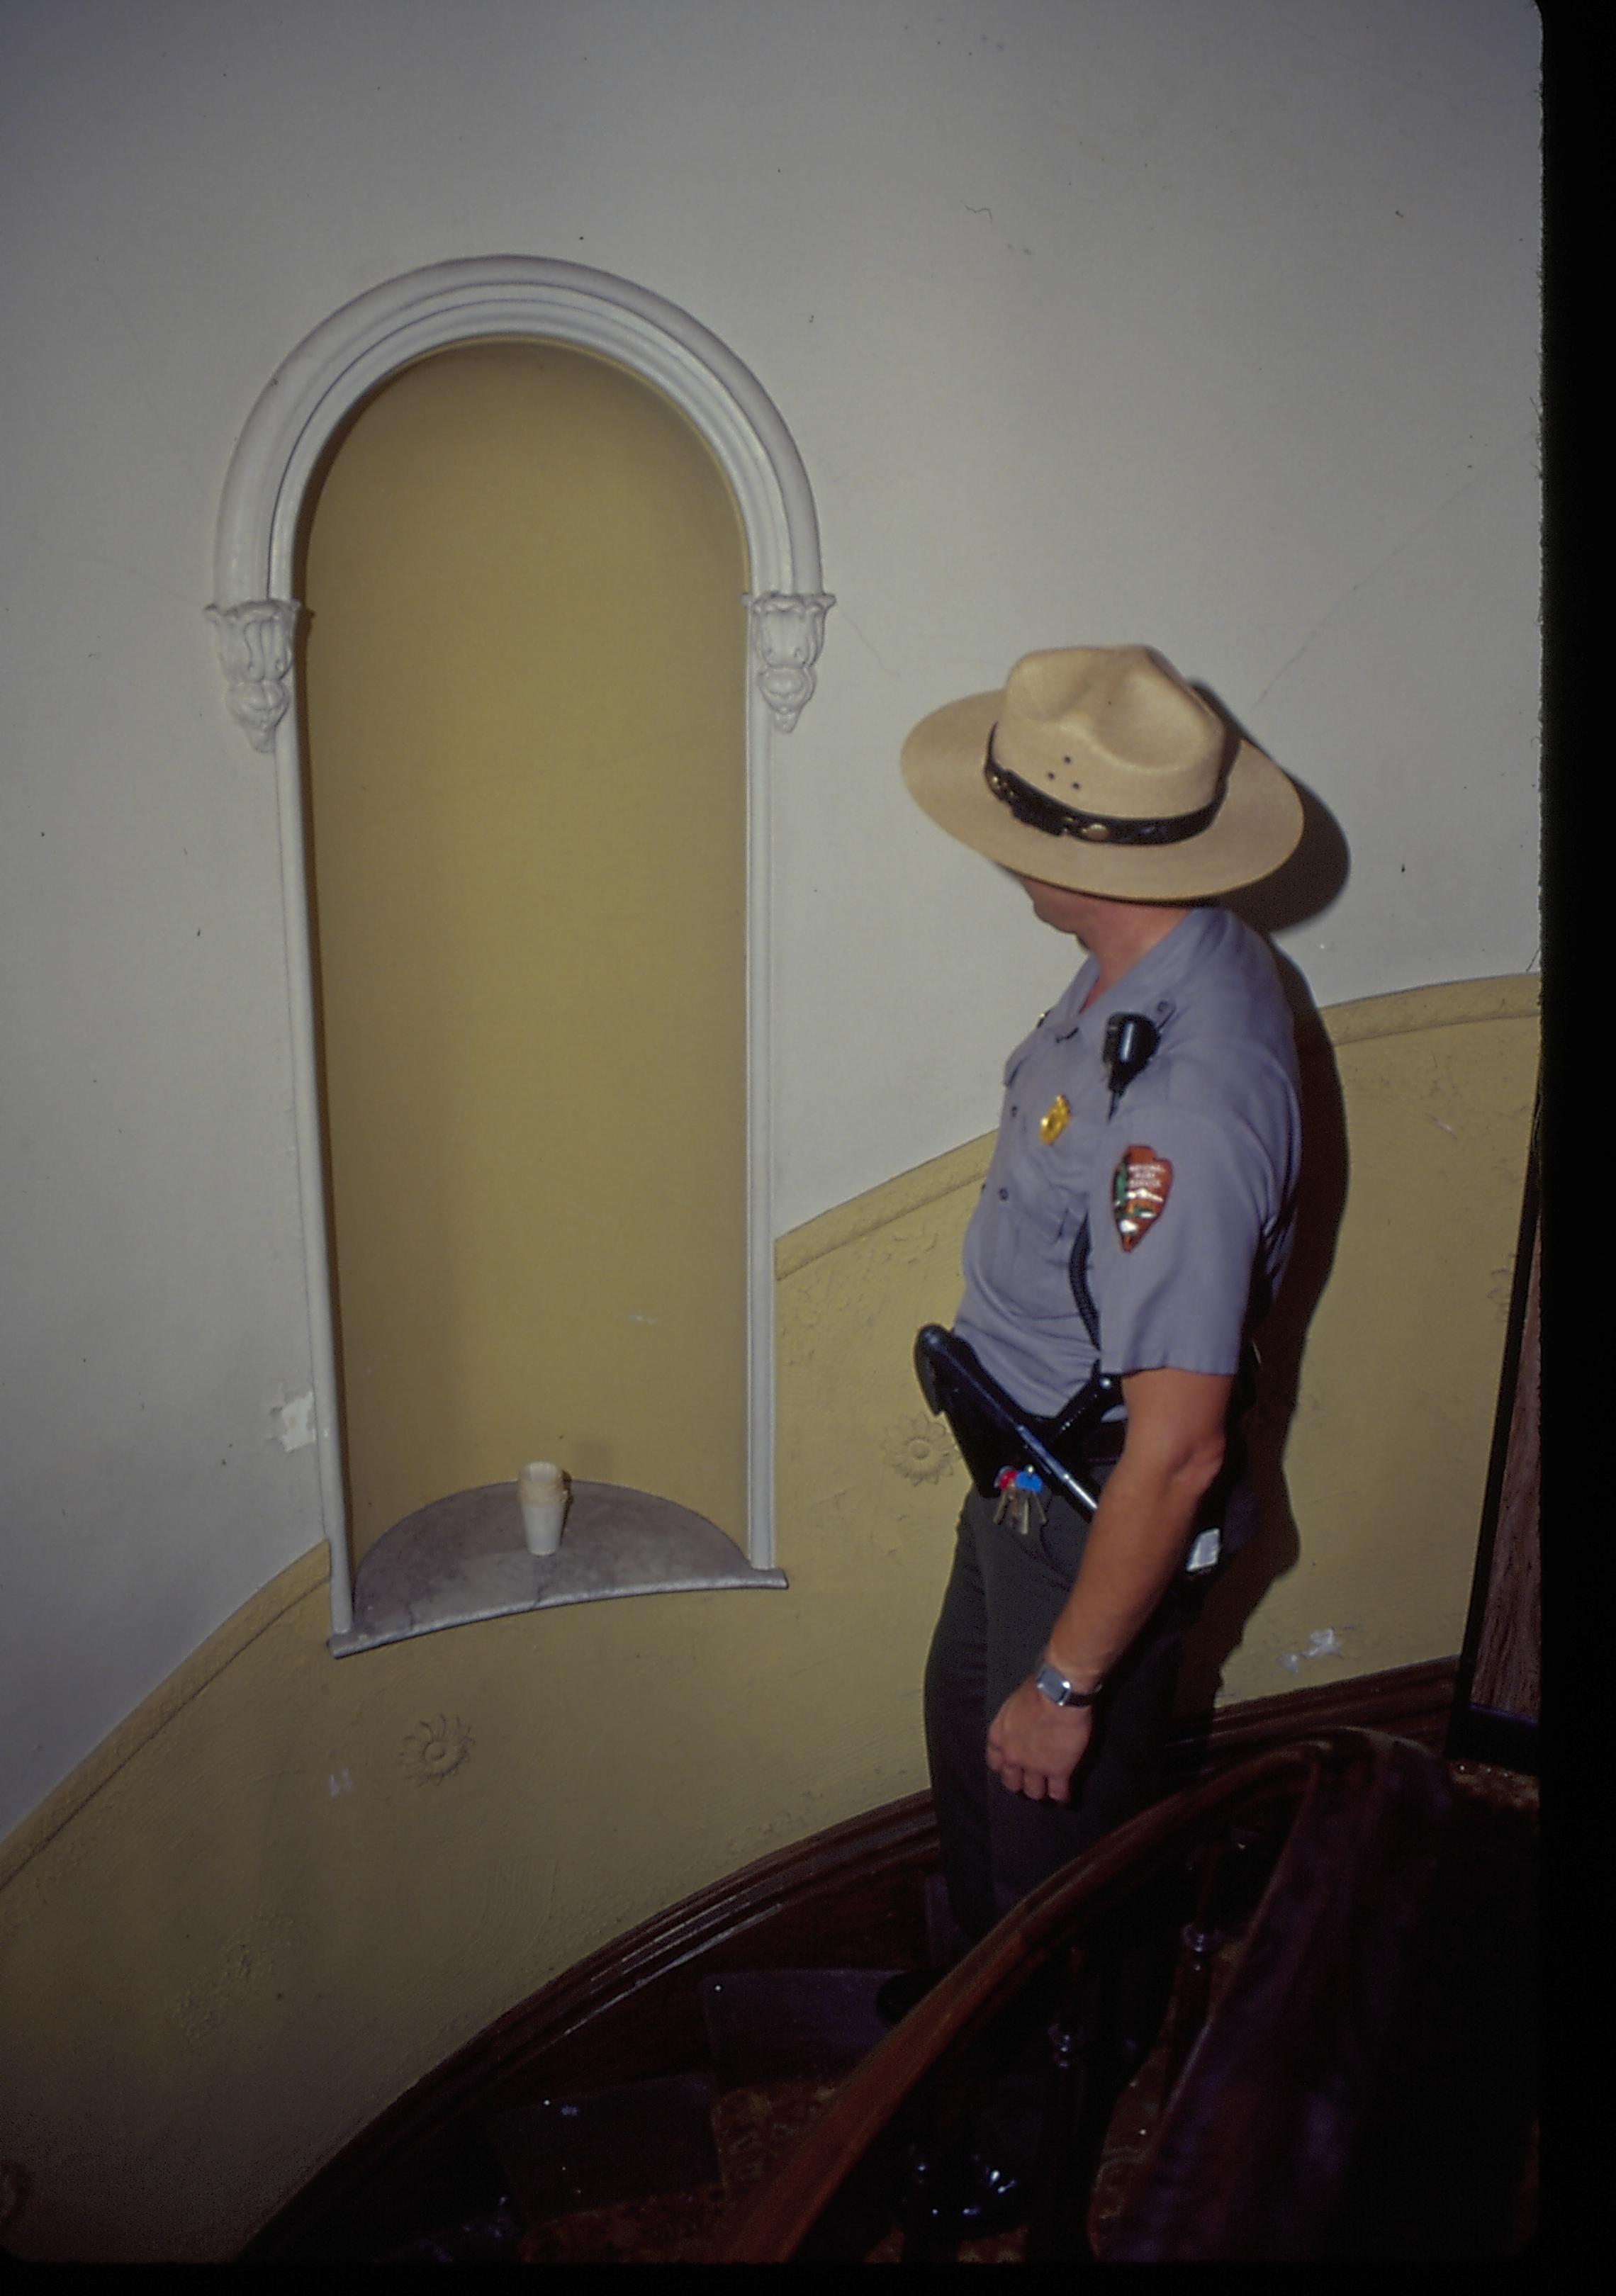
(1070, 1167)
(1062, 1196)
(1027, 1244)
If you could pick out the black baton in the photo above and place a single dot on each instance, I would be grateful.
(991, 1426)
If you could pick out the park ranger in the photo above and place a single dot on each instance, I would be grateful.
(1133, 1226)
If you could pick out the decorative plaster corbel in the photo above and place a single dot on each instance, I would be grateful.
(788, 630)
(254, 643)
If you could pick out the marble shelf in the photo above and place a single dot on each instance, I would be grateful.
(463, 1558)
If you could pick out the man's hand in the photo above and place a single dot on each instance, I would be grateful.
(1035, 1746)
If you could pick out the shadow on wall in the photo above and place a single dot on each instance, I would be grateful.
(1282, 1340)
(1308, 885)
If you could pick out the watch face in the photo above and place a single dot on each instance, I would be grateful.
(1054, 1686)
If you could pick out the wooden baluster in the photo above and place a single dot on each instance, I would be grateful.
(1228, 1875)
(1081, 2093)
(934, 2164)
(1200, 1941)
(918, 2211)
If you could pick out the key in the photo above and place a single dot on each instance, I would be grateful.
(1028, 1489)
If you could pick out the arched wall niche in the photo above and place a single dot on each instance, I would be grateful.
(255, 616)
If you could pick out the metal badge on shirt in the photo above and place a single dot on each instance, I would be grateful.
(1055, 1119)
(1138, 1192)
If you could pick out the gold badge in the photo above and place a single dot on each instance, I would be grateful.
(1138, 1192)
(1055, 1119)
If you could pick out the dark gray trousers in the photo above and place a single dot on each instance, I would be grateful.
(1003, 1598)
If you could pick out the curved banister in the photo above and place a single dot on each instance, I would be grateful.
(1253, 2146)
(1317, 1964)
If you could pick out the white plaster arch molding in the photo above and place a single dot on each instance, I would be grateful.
(255, 615)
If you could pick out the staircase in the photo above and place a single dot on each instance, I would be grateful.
(719, 2087)
(657, 2169)
(660, 2170)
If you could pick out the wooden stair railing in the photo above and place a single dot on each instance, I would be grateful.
(1252, 2148)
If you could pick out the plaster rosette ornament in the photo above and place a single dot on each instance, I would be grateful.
(434, 1751)
(788, 631)
(922, 1450)
(254, 644)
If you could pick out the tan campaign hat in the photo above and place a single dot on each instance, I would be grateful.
(1098, 767)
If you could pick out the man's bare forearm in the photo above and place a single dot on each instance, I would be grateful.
(1135, 1544)
(1169, 1461)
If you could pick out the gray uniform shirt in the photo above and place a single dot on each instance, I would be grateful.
(1216, 1103)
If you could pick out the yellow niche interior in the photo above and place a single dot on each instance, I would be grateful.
(289, 1886)
(525, 686)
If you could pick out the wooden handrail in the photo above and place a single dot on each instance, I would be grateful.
(1230, 2171)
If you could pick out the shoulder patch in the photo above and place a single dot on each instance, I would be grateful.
(1139, 1190)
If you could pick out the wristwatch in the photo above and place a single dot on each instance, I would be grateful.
(1050, 1683)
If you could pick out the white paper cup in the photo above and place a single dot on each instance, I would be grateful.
(542, 1490)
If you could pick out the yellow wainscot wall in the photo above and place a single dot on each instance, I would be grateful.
(289, 1886)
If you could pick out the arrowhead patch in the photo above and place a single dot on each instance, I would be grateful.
(1138, 1192)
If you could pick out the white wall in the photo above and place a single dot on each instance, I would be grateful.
(1094, 319)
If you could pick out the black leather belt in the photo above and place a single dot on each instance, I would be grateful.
(994, 1433)
(979, 1439)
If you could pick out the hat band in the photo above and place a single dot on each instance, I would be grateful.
(1036, 811)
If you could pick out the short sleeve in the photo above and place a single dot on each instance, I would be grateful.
(1178, 1228)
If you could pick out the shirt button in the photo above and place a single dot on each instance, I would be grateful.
(1003, 1195)
(1016, 1111)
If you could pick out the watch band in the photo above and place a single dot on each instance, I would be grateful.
(1050, 1683)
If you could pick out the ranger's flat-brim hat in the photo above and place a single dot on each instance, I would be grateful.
(1097, 767)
